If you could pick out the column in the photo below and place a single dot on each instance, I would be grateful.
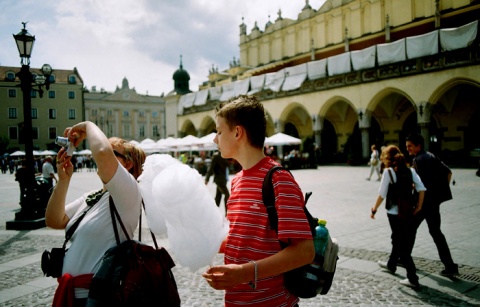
(365, 142)
(425, 132)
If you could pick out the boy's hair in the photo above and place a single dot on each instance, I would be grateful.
(248, 112)
(416, 139)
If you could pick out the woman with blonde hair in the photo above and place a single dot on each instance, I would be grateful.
(374, 162)
(119, 165)
(396, 186)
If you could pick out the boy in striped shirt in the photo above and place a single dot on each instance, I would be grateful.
(254, 261)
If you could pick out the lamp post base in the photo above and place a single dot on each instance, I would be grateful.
(26, 221)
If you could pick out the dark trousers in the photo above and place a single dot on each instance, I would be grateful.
(403, 238)
(222, 189)
(431, 213)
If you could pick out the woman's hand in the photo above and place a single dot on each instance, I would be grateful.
(64, 165)
(76, 134)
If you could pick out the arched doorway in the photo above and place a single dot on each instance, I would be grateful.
(329, 144)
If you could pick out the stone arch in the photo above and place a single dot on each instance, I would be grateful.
(296, 116)
(207, 126)
(188, 128)
(454, 115)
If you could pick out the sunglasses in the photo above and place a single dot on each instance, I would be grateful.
(117, 154)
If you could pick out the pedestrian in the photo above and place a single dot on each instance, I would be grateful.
(398, 174)
(48, 172)
(119, 165)
(374, 162)
(21, 175)
(254, 261)
(436, 177)
(219, 168)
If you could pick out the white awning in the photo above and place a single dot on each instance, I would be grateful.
(274, 80)
(256, 84)
(363, 59)
(422, 45)
(228, 92)
(201, 98)
(317, 69)
(391, 52)
(240, 87)
(461, 37)
(215, 92)
(339, 64)
(189, 99)
(295, 76)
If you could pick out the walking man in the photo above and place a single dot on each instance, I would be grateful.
(47, 170)
(436, 177)
(218, 167)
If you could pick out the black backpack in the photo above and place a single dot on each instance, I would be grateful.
(402, 194)
(311, 279)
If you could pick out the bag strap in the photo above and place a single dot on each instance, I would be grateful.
(115, 215)
(391, 177)
(71, 230)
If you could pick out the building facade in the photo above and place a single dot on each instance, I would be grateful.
(126, 114)
(61, 107)
(355, 73)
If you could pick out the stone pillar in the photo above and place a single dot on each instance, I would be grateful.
(425, 132)
(423, 120)
(365, 143)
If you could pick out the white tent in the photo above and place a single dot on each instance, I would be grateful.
(17, 153)
(84, 152)
(282, 139)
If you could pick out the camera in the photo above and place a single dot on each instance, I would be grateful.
(52, 262)
(64, 142)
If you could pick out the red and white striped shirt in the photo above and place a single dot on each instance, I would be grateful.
(250, 236)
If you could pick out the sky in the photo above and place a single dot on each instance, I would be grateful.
(142, 40)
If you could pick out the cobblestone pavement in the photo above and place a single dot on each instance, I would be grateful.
(342, 196)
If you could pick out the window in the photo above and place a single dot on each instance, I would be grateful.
(141, 114)
(52, 113)
(52, 133)
(13, 133)
(72, 79)
(71, 95)
(155, 131)
(109, 113)
(154, 114)
(12, 93)
(94, 112)
(52, 78)
(71, 113)
(12, 113)
(34, 113)
(126, 131)
(35, 133)
(10, 76)
(33, 94)
(51, 94)
(142, 131)
(126, 113)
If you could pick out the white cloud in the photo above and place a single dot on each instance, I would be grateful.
(141, 40)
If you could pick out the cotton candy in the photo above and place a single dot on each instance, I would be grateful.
(178, 195)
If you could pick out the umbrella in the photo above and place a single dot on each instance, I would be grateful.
(17, 153)
(47, 153)
(84, 152)
(282, 139)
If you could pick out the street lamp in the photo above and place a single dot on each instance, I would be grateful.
(32, 214)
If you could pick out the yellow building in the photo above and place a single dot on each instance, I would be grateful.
(355, 73)
(60, 107)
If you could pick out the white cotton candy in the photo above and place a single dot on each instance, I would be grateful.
(153, 165)
(195, 225)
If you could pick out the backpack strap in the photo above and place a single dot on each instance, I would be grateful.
(391, 177)
(268, 196)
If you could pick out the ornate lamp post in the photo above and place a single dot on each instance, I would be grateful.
(32, 214)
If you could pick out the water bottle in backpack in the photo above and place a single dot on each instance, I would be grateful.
(320, 240)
